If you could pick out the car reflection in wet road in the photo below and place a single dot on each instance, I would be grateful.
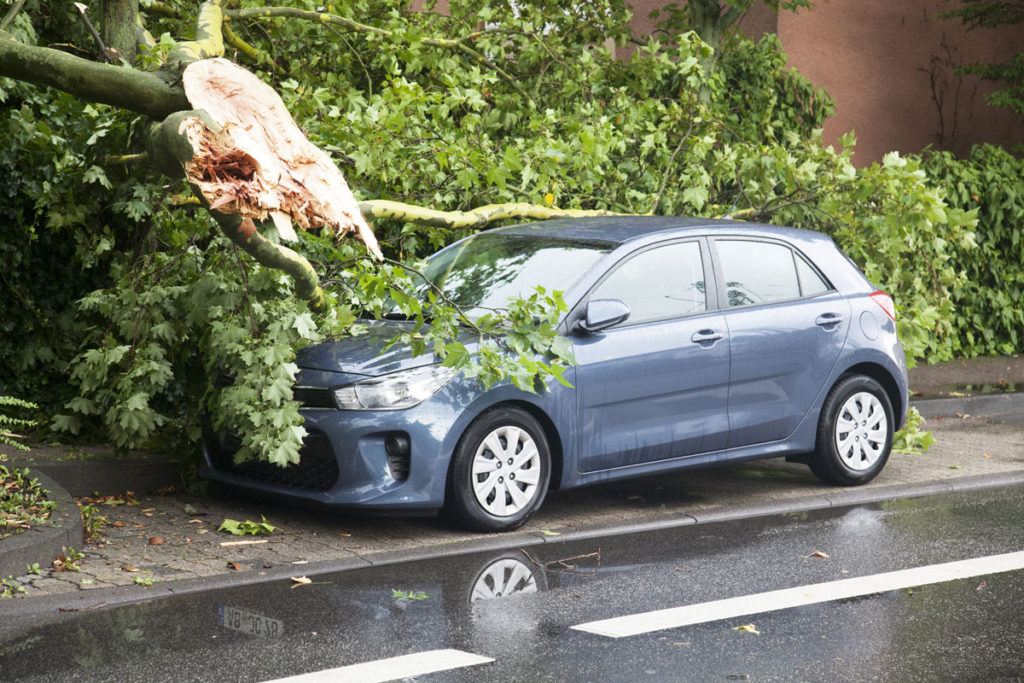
(517, 615)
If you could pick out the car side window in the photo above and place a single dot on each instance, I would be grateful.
(811, 283)
(757, 272)
(663, 282)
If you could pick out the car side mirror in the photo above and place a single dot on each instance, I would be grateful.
(602, 314)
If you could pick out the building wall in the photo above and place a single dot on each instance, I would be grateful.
(889, 64)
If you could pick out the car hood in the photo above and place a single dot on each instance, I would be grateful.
(364, 354)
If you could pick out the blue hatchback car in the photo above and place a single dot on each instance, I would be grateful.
(697, 342)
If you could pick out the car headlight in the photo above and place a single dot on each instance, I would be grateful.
(395, 391)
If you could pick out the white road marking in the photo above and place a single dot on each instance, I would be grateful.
(393, 668)
(674, 617)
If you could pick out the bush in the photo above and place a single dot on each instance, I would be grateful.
(989, 303)
(165, 307)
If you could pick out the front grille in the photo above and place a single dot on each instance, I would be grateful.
(317, 469)
(314, 397)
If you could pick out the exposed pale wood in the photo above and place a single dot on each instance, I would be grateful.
(259, 165)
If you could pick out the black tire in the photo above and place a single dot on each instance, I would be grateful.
(826, 462)
(461, 505)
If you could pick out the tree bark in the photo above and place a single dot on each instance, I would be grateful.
(118, 86)
(118, 26)
(475, 218)
(209, 41)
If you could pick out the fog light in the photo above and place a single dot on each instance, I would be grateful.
(396, 446)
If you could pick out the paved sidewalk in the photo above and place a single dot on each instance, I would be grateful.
(190, 547)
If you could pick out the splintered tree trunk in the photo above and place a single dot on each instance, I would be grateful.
(258, 164)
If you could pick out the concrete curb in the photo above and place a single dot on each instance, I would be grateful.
(988, 405)
(43, 543)
(99, 598)
(106, 477)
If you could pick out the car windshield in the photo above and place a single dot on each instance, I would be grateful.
(483, 272)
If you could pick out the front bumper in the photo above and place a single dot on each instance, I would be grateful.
(344, 461)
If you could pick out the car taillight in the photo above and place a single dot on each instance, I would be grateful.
(886, 303)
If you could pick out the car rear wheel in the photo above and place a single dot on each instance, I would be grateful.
(499, 473)
(855, 433)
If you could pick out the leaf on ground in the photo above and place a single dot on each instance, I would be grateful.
(190, 510)
(982, 586)
(156, 540)
(410, 596)
(820, 554)
(747, 628)
(145, 581)
(301, 581)
(236, 566)
(548, 532)
(129, 568)
(247, 527)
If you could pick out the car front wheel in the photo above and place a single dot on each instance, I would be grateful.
(855, 433)
(500, 471)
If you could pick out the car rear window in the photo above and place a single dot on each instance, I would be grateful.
(757, 272)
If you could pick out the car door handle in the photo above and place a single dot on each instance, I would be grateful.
(826, 319)
(706, 336)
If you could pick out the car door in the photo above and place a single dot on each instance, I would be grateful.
(654, 386)
(787, 327)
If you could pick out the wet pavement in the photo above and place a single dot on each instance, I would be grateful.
(192, 550)
(517, 607)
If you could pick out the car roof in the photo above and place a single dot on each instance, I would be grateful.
(623, 229)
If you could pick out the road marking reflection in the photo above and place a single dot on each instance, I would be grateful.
(393, 668)
(674, 617)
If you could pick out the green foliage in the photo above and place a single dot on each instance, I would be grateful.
(23, 501)
(247, 527)
(158, 321)
(34, 569)
(92, 521)
(989, 316)
(409, 596)
(9, 588)
(912, 439)
(1009, 74)
(144, 581)
(8, 422)
(70, 560)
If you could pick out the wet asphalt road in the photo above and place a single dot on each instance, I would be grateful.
(967, 629)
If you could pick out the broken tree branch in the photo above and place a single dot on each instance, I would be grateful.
(475, 218)
(249, 51)
(157, 7)
(118, 86)
(173, 146)
(327, 18)
(209, 41)
(106, 53)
